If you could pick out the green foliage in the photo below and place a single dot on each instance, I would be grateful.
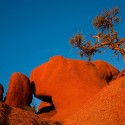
(107, 37)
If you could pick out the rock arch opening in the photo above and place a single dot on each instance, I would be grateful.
(46, 108)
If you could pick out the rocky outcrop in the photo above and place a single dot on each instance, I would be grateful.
(43, 105)
(107, 72)
(17, 116)
(46, 110)
(106, 108)
(1, 92)
(121, 74)
(70, 83)
(4, 112)
(19, 91)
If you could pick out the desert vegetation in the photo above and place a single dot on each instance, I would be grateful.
(107, 36)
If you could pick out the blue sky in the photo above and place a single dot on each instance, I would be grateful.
(32, 31)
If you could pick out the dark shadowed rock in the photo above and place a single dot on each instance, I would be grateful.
(70, 83)
(121, 74)
(45, 107)
(106, 70)
(1, 92)
(17, 116)
(19, 91)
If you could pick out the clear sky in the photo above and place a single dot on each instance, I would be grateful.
(32, 31)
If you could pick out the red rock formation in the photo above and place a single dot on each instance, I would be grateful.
(19, 91)
(107, 71)
(70, 83)
(17, 116)
(121, 74)
(46, 110)
(43, 105)
(1, 92)
(106, 108)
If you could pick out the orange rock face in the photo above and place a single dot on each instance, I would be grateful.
(107, 71)
(19, 91)
(43, 105)
(46, 110)
(1, 92)
(106, 108)
(70, 83)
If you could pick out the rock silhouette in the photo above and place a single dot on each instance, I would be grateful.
(70, 83)
(19, 91)
(1, 92)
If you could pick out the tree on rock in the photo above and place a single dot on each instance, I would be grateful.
(106, 37)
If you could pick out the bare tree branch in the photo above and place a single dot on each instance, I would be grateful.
(106, 38)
